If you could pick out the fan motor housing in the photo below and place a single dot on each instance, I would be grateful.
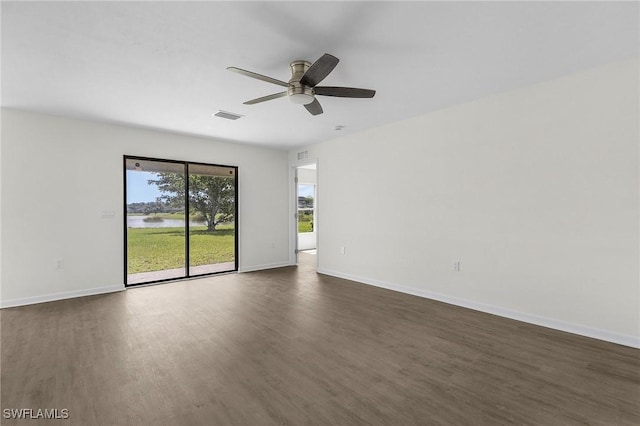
(298, 93)
(298, 68)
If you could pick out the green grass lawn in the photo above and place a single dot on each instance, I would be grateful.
(305, 222)
(305, 227)
(155, 249)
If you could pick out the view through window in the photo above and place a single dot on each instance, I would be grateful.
(306, 207)
(181, 219)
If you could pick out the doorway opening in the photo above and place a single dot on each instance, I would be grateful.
(180, 219)
(306, 209)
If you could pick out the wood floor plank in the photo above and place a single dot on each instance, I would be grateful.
(292, 347)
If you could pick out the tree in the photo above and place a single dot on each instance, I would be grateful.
(211, 196)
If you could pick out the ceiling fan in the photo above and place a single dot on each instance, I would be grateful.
(303, 87)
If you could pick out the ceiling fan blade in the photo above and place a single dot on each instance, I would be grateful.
(344, 92)
(258, 76)
(319, 70)
(266, 98)
(314, 107)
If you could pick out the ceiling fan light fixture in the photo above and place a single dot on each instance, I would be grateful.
(299, 94)
(303, 87)
(301, 98)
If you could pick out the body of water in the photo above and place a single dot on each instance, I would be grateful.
(138, 222)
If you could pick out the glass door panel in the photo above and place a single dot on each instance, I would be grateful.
(212, 219)
(155, 229)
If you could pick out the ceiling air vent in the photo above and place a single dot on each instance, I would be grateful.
(227, 115)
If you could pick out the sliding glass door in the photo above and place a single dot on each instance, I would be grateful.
(212, 199)
(181, 219)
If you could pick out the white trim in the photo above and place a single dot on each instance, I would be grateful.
(59, 296)
(305, 162)
(582, 330)
(265, 266)
(293, 235)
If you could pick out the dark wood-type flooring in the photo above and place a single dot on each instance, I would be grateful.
(290, 347)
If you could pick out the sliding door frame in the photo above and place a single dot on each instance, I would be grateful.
(187, 225)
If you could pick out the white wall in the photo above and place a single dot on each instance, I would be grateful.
(60, 174)
(535, 191)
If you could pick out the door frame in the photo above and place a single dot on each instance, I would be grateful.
(293, 209)
(187, 207)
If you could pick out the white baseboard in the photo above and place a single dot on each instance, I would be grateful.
(582, 330)
(265, 266)
(10, 303)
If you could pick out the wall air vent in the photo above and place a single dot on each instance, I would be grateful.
(227, 115)
(303, 155)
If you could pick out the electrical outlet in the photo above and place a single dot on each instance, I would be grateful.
(455, 266)
(342, 250)
(59, 264)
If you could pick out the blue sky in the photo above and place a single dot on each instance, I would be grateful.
(305, 190)
(138, 190)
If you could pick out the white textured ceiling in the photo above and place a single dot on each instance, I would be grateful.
(163, 64)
